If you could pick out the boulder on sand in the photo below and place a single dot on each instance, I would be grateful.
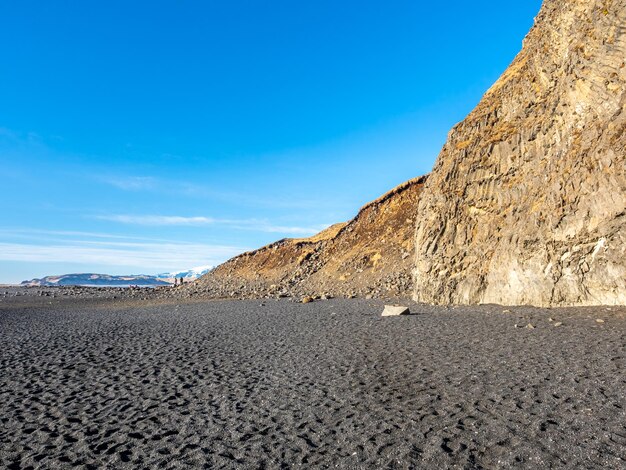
(395, 310)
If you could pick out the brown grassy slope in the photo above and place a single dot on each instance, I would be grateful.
(370, 254)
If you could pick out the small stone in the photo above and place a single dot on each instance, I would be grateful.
(599, 320)
(550, 319)
(558, 323)
(506, 311)
(530, 326)
(306, 300)
(369, 296)
(395, 310)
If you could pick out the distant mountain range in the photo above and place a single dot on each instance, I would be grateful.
(106, 280)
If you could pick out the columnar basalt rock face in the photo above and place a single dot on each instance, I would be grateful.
(527, 201)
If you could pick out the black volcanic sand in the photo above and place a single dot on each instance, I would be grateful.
(237, 384)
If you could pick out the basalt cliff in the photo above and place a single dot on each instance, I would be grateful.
(526, 203)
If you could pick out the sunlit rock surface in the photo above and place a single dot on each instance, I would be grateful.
(527, 201)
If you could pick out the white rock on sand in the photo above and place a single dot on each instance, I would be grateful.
(395, 310)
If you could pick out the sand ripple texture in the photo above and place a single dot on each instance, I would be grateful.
(237, 384)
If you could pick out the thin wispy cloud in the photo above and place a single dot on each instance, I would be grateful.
(22, 139)
(258, 225)
(157, 220)
(199, 191)
(148, 256)
(8, 133)
(243, 199)
(39, 234)
(133, 183)
(261, 226)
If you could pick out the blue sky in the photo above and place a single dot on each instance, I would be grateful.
(141, 137)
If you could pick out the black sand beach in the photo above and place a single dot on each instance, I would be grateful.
(330, 384)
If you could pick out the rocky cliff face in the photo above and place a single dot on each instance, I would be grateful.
(527, 201)
(371, 254)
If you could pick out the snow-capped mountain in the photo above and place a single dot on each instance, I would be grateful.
(192, 273)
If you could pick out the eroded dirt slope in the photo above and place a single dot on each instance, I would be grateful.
(370, 254)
